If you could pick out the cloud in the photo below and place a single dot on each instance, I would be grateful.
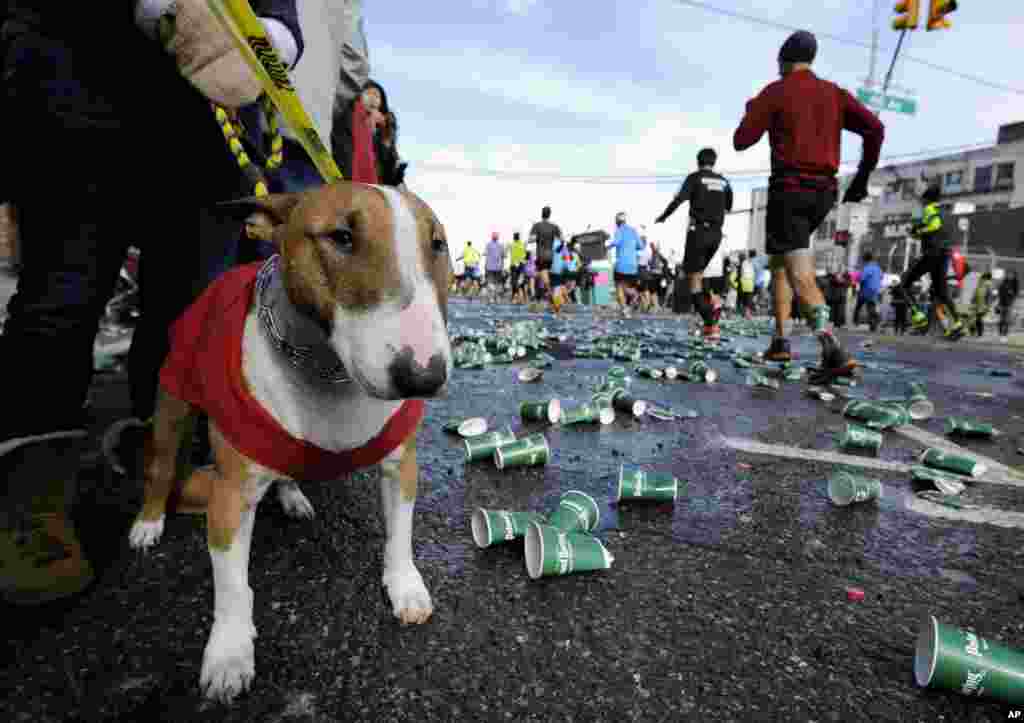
(519, 7)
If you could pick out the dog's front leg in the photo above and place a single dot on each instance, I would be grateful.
(410, 600)
(229, 658)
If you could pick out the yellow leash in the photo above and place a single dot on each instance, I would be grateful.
(246, 30)
(232, 133)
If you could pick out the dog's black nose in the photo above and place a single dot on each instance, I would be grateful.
(412, 379)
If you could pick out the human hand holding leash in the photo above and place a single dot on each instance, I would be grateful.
(204, 51)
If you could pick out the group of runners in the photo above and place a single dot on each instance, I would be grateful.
(804, 117)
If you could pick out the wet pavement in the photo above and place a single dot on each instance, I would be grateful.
(728, 605)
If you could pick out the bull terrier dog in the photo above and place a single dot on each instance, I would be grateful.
(309, 365)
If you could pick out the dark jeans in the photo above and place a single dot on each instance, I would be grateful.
(899, 318)
(837, 309)
(872, 305)
(1004, 320)
(934, 264)
(81, 203)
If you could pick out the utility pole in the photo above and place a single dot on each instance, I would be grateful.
(874, 44)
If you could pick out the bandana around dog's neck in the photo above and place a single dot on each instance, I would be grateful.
(296, 337)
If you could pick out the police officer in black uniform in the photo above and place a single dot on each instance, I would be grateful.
(710, 197)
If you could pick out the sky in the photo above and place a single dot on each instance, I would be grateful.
(617, 88)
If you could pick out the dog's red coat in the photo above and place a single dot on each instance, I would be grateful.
(204, 368)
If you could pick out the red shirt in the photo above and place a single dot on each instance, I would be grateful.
(364, 156)
(204, 368)
(804, 117)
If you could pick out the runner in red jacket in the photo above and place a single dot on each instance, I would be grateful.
(804, 117)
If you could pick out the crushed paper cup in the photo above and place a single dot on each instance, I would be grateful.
(528, 375)
(472, 427)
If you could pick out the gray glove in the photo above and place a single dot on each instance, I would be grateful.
(205, 52)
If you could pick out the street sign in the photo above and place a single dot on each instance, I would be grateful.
(875, 99)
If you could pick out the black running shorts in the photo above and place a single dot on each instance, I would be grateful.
(792, 216)
(702, 242)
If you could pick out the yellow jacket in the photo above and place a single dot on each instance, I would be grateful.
(471, 257)
(518, 252)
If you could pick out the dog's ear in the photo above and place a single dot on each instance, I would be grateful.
(262, 214)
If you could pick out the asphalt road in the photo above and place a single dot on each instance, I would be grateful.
(729, 605)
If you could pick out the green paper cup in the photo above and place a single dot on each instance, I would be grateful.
(760, 380)
(551, 552)
(483, 446)
(877, 415)
(741, 363)
(648, 373)
(958, 463)
(588, 414)
(602, 399)
(944, 482)
(858, 437)
(638, 484)
(920, 409)
(918, 404)
(550, 411)
(528, 375)
(492, 527)
(845, 488)
(468, 428)
(844, 382)
(611, 386)
(701, 372)
(628, 405)
(525, 452)
(949, 658)
(577, 512)
(617, 373)
(821, 394)
(969, 428)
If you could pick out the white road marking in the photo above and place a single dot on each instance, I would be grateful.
(814, 455)
(998, 473)
(977, 514)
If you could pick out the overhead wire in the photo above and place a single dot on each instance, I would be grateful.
(657, 179)
(848, 41)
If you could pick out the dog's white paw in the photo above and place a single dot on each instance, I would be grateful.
(229, 661)
(294, 502)
(146, 533)
(410, 600)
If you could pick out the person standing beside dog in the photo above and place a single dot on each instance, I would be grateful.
(543, 235)
(60, 73)
(804, 117)
(710, 197)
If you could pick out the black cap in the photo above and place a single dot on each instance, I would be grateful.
(707, 157)
(931, 194)
(800, 47)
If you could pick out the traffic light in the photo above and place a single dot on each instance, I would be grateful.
(911, 10)
(938, 12)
